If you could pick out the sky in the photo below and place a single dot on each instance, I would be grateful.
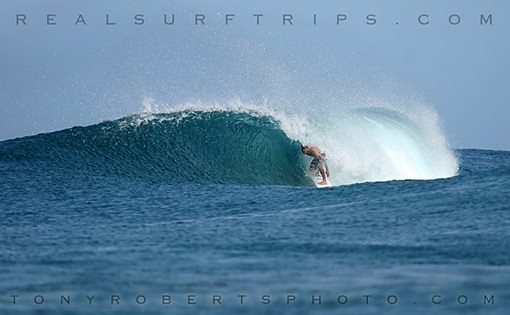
(58, 76)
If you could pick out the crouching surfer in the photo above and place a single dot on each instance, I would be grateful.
(318, 163)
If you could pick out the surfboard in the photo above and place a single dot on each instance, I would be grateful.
(317, 179)
(328, 184)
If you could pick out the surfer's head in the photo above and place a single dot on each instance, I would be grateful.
(303, 148)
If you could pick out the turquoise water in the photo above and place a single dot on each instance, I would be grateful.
(219, 203)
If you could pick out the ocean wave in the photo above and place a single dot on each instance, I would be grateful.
(244, 146)
(179, 147)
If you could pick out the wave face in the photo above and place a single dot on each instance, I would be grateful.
(244, 147)
(180, 147)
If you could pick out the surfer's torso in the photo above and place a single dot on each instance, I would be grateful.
(313, 152)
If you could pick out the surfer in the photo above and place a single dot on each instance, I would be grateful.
(318, 162)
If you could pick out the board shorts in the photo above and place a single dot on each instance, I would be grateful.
(318, 164)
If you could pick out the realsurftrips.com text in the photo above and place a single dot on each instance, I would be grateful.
(256, 19)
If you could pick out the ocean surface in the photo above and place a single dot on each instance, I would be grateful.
(204, 209)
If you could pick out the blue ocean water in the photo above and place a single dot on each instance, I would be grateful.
(217, 207)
